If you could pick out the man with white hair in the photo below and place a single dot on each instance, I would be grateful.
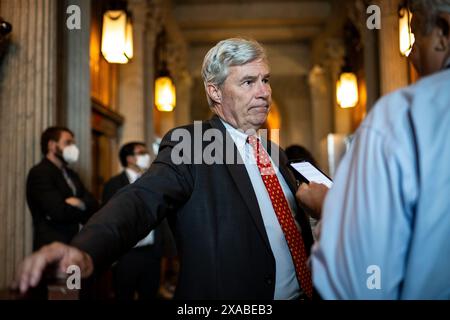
(386, 220)
(239, 231)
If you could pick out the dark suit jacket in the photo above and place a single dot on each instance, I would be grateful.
(164, 243)
(53, 219)
(214, 214)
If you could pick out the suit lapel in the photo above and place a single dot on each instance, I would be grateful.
(242, 181)
(60, 181)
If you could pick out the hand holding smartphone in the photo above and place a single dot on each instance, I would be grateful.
(306, 172)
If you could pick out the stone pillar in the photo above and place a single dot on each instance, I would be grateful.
(153, 26)
(393, 66)
(177, 62)
(74, 83)
(334, 61)
(321, 109)
(183, 109)
(27, 107)
(132, 85)
(369, 39)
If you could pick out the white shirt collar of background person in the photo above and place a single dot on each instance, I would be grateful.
(132, 175)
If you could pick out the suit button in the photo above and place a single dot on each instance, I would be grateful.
(269, 280)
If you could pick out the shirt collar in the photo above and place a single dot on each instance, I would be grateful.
(239, 137)
(132, 175)
(447, 64)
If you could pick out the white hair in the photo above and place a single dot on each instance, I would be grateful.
(429, 10)
(227, 53)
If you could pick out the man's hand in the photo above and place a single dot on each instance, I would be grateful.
(311, 196)
(30, 271)
(76, 202)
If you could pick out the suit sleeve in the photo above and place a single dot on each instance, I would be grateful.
(44, 194)
(136, 209)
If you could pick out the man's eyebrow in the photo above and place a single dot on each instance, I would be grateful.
(249, 77)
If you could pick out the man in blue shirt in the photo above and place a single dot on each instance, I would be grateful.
(386, 221)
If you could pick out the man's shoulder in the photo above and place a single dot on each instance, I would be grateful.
(391, 110)
(44, 166)
(193, 131)
(191, 128)
(116, 179)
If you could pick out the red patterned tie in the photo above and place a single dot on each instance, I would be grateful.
(284, 215)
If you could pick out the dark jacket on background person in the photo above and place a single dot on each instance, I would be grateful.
(53, 218)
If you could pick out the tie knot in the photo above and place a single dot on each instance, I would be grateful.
(253, 141)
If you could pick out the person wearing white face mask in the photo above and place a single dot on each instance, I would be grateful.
(138, 271)
(57, 198)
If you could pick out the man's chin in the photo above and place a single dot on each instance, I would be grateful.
(259, 120)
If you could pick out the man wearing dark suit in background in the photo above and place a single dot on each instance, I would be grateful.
(239, 231)
(138, 271)
(57, 198)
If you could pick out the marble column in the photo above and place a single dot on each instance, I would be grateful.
(393, 66)
(321, 110)
(177, 61)
(342, 121)
(131, 84)
(27, 107)
(369, 39)
(74, 98)
(183, 109)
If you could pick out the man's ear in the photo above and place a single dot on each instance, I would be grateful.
(214, 93)
(443, 32)
(51, 146)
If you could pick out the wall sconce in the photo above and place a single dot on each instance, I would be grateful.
(406, 37)
(165, 93)
(117, 35)
(347, 90)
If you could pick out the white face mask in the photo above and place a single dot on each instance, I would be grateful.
(71, 153)
(143, 161)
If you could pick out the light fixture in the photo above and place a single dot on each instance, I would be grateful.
(165, 93)
(406, 37)
(117, 35)
(347, 90)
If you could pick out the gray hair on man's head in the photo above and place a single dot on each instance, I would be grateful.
(225, 54)
(429, 10)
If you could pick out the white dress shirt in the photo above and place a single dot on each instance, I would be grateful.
(286, 283)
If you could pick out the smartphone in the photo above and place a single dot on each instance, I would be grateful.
(306, 172)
